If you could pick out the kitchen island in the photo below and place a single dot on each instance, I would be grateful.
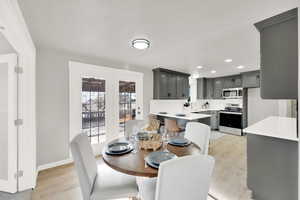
(272, 159)
(202, 118)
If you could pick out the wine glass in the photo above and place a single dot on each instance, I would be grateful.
(165, 139)
(133, 138)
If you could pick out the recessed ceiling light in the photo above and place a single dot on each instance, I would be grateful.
(140, 44)
(199, 67)
(240, 67)
(213, 71)
(228, 60)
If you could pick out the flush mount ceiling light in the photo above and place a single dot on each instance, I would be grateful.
(213, 71)
(240, 67)
(140, 44)
(228, 60)
(199, 67)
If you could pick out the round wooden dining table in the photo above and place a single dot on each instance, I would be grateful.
(134, 163)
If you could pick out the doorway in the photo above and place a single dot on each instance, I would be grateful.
(127, 103)
(102, 99)
(93, 109)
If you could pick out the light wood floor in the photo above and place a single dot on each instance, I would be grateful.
(228, 181)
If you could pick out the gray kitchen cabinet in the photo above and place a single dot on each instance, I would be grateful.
(251, 79)
(182, 87)
(201, 88)
(232, 81)
(218, 87)
(279, 56)
(209, 91)
(170, 84)
(163, 89)
(214, 119)
(228, 83)
(272, 168)
(238, 81)
(185, 93)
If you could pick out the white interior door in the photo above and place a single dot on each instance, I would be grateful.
(104, 91)
(8, 130)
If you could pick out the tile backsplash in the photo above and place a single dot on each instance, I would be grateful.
(176, 106)
(218, 104)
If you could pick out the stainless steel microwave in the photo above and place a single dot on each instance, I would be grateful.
(232, 93)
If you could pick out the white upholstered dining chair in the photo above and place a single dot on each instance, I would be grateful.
(182, 178)
(199, 134)
(99, 182)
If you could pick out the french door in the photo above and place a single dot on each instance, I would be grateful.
(102, 99)
(8, 130)
(93, 109)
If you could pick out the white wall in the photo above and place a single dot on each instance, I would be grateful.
(259, 109)
(5, 46)
(53, 100)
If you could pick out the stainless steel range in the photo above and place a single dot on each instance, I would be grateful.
(231, 119)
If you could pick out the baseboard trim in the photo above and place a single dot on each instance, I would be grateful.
(54, 164)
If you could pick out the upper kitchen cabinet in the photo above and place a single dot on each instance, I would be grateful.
(209, 92)
(251, 79)
(233, 81)
(170, 84)
(218, 88)
(279, 56)
(183, 87)
(201, 88)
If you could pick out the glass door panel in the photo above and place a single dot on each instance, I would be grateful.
(93, 109)
(127, 103)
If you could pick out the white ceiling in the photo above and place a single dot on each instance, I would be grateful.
(183, 33)
(5, 46)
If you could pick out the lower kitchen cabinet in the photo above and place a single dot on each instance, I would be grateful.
(272, 168)
(214, 119)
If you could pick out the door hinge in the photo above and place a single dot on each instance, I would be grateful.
(19, 174)
(18, 122)
(19, 70)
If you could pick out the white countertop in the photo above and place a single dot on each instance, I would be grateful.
(277, 127)
(189, 116)
(205, 109)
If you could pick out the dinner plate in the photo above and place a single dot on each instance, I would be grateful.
(180, 115)
(118, 147)
(180, 145)
(118, 153)
(163, 113)
(152, 165)
(180, 142)
(154, 159)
